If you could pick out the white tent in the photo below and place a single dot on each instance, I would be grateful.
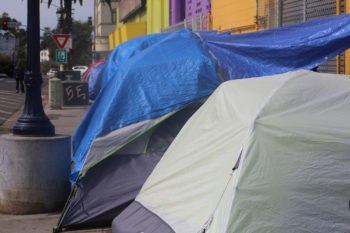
(267, 154)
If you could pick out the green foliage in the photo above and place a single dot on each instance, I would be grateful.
(67, 4)
(82, 30)
(81, 44)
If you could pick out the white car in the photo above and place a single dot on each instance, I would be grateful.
(82, 69)
(52, 72)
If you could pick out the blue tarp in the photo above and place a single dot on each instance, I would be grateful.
(153, 75)
(170, 72)
(95, 79)
(127, 50)
(298, 46)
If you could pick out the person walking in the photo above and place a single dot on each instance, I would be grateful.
(19, 74)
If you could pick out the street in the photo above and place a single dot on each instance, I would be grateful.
(10, 101)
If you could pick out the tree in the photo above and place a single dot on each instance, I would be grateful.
(68, 7)
(81, 54)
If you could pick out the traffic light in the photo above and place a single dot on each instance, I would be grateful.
(70, 54)
(4, 25)
(90, 21)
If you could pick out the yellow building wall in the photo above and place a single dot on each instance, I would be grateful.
(139, 17)
(132, 30)
(118, 23)
(237, 16)
(157, 15)
(135, 26)
(111, 41)
(148, 21)
(347, 52)
(117, 37)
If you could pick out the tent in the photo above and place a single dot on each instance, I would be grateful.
(149, 78)
(131, 123)
(156, 74)
(112, 184)
(264, 154)
(95, 78)
(87, 73)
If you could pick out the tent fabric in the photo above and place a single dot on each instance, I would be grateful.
(125, 51)
(162, 78)
(103, 194)
(298, 46)
(291, 137)
(95, 79)
(87, 73)
(119, 140)
(143, 224)
(111, 184)
(153, 75)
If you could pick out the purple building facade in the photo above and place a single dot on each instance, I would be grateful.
(176, 11)
(195, 8)
(187, 9)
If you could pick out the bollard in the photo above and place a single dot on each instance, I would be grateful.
(55, 93)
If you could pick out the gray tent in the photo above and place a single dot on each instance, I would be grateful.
(111, 185)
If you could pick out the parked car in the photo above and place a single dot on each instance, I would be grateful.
(82, 69)
(52, 72)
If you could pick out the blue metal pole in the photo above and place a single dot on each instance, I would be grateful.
(33, 121)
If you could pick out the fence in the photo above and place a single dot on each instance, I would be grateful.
(198, 23)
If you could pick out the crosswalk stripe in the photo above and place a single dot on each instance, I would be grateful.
(12, 100)
(6, 112)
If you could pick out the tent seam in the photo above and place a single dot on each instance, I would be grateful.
(244, 147)
(83, 171)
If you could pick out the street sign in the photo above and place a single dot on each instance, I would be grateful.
(61, 39)
(61, 56)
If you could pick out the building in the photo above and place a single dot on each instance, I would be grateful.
(104, 24)
(44, 55)
(138, 18)
(192, 14)
(8, 44)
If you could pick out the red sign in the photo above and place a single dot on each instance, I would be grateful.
(61, 39)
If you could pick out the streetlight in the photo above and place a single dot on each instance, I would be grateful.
(33, 121)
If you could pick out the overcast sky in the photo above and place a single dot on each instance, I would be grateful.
(18, 9)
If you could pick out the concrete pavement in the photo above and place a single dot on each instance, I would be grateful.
(66, 121)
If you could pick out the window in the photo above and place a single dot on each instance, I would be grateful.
(114, 16)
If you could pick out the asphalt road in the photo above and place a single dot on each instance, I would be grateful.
(10, 101)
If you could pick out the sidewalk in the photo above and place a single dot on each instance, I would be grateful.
(66, 121)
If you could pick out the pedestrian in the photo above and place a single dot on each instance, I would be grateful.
(19, 74)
